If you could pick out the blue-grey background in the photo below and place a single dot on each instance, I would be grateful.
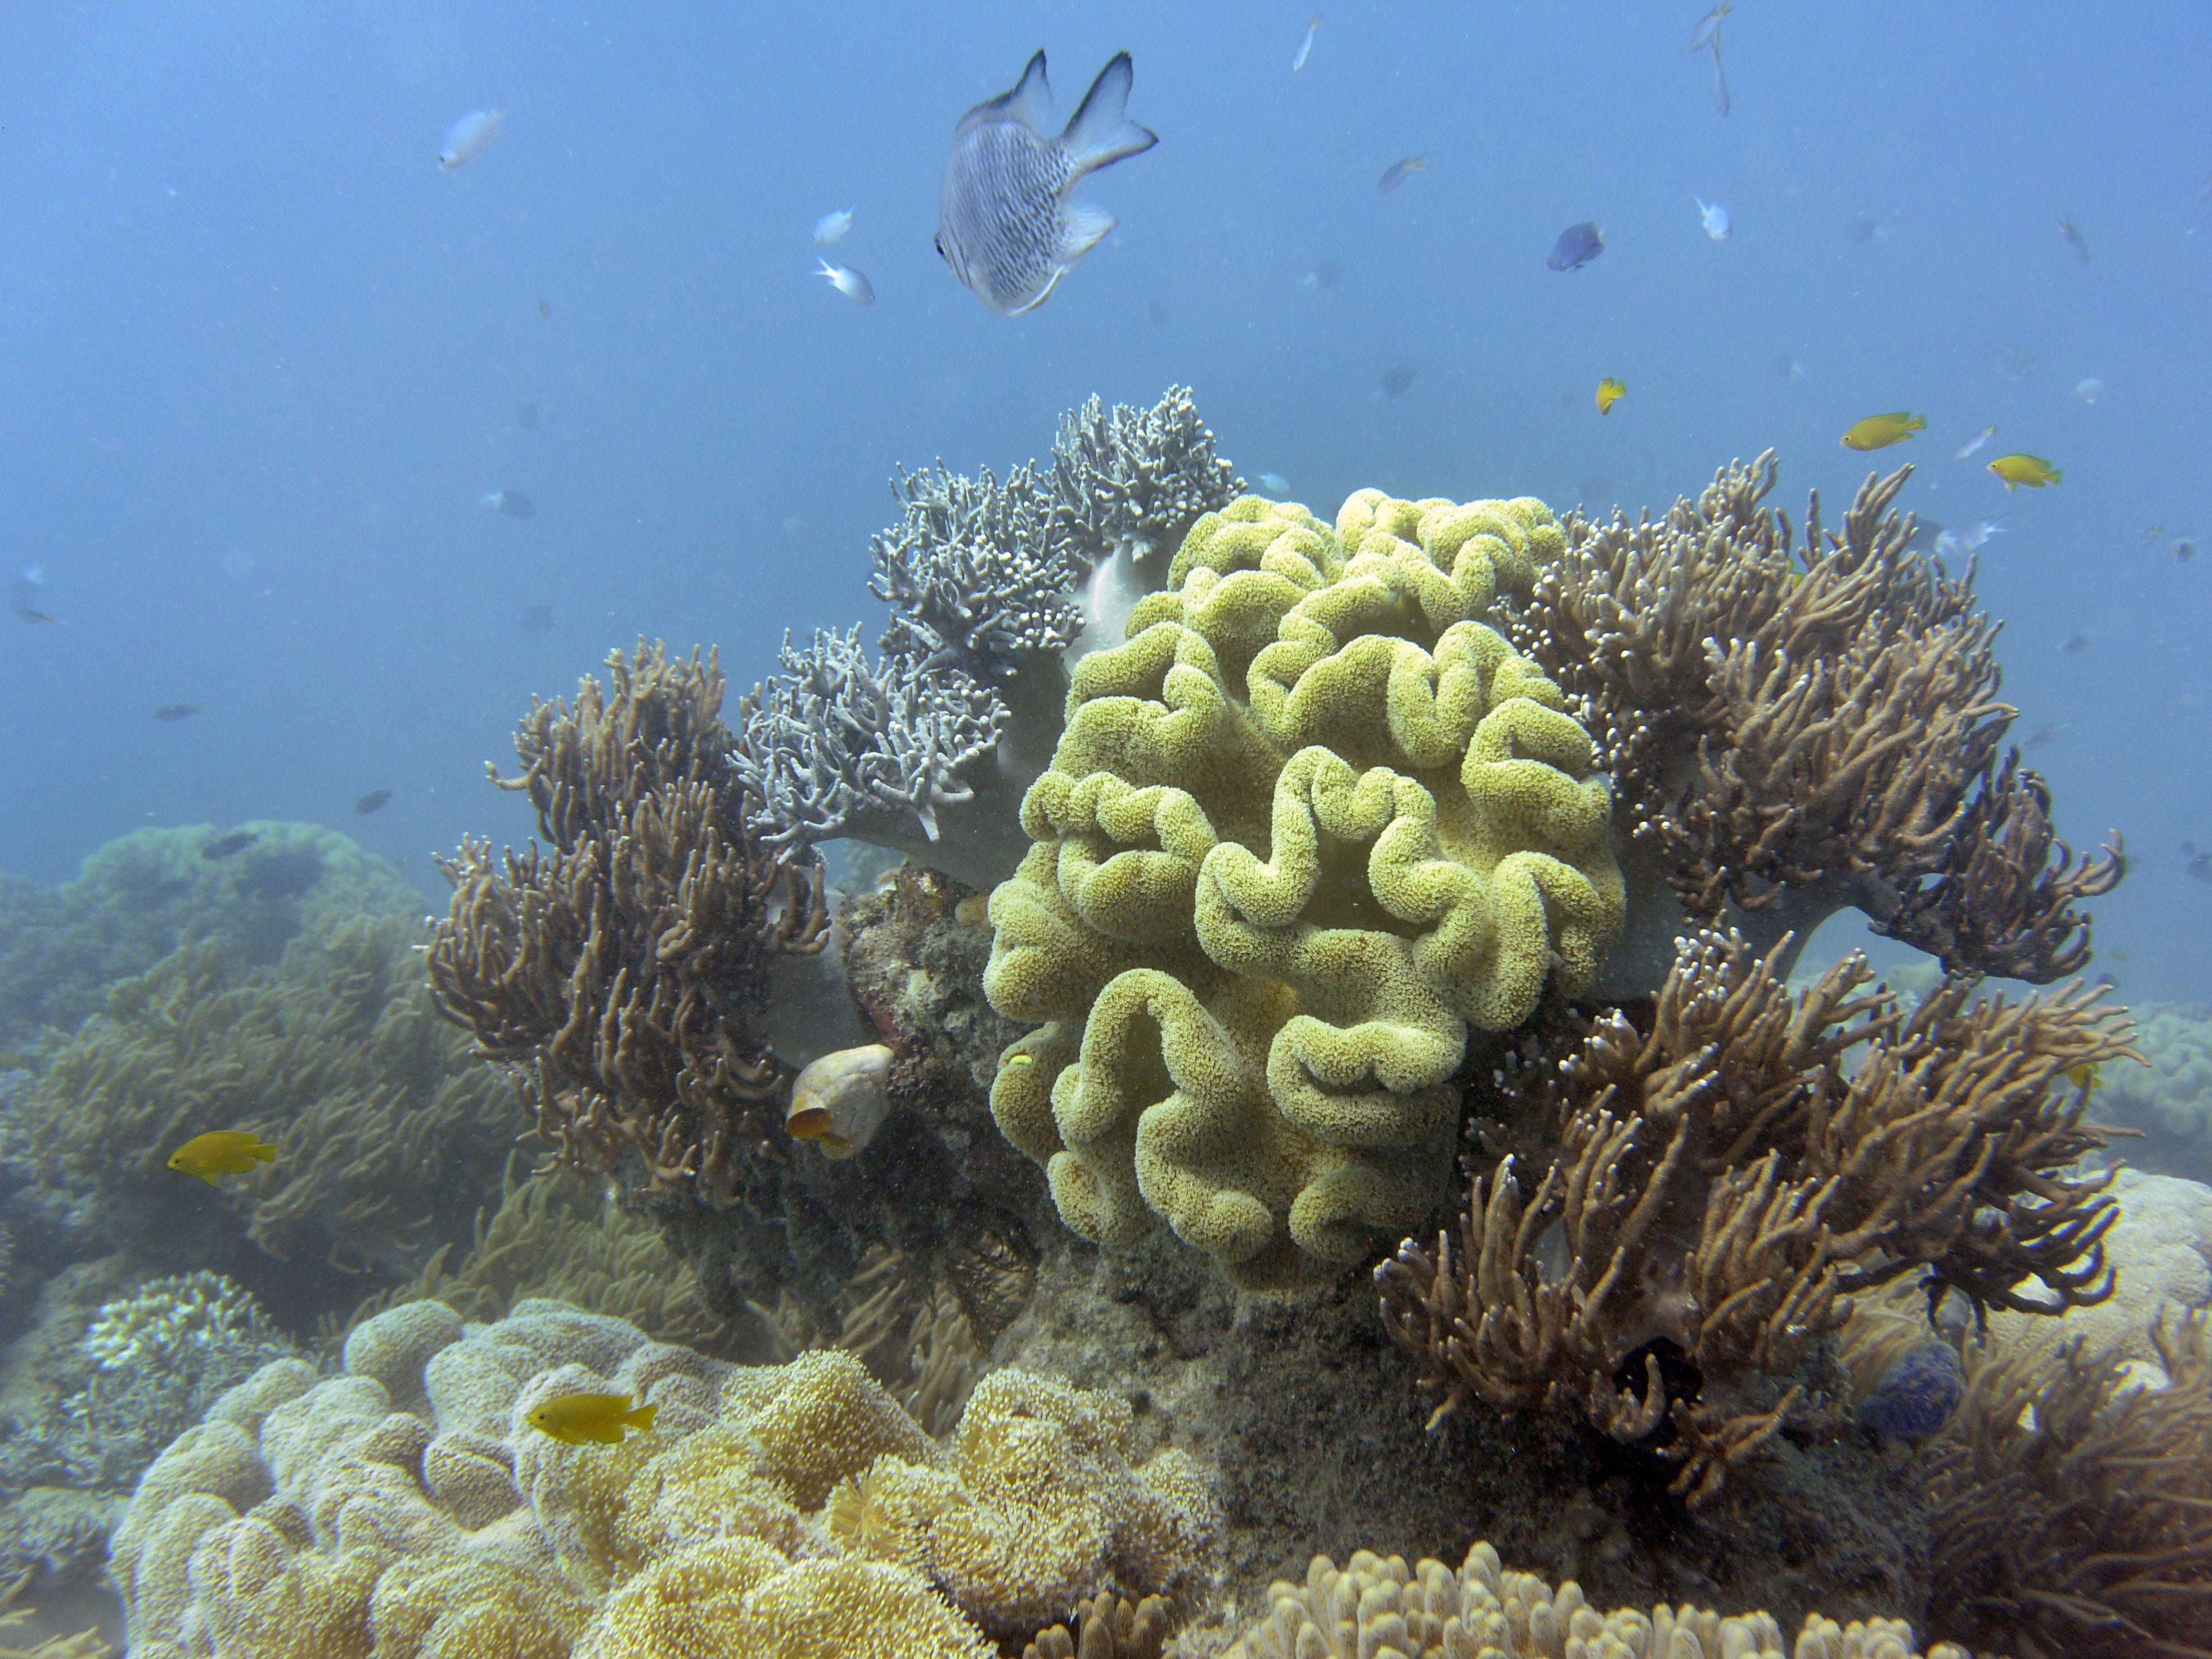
(259, 358)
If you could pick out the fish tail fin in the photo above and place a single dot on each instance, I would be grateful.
(642, 1416)
(262, 1152)
(1100, 133)
(2055, 475)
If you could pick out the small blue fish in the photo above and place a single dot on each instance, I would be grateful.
(1714, 217)
(1306, 46)
(832, 226)
(1274, 482)
(1916, 1395)
(466, 138)
(1005, 223)
(852, 284)
(1577, 246)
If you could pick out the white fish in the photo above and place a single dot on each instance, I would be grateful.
(1976, 442)
(1714, 217)
(466, 138)
(1708, 31)
(1306, 46)
(513, 502)
(1953, 543)
(1275, 482)
(2091, 390)
(832, 226)
(1005, 223)
(852, 284)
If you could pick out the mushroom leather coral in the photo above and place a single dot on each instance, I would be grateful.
(1315, 820)
(318, 1518)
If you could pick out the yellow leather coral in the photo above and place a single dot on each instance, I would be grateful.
(1315, 820)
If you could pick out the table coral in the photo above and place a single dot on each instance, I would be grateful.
(1313, 821)
(1379, 1608)
(318, 1518)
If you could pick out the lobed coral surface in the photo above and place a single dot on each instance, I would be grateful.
(1312, 822)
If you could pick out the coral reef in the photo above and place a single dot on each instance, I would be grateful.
(619, 974)
(1107, 1627)
(80, 1434)
(2073, 1513)
(386, 1132)
(780, 1510)
(1723, 1181)
(1311, 822)
(2171, 1103)
(565, 1237)
(141, 898)
(928, 750)
(1373, 1607)
(1789, 739)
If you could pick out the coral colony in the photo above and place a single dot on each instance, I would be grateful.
(1322, 1060)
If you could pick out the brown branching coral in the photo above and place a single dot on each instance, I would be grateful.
(2073, 1511)
(1793, 730)
(621, 970)
(1699, 1189)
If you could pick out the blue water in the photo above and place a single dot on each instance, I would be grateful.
(259, 358)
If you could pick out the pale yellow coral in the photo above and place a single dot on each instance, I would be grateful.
(1313, 821)
(328, 1523)
(1379, 1608)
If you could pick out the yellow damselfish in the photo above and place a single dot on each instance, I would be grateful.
(2030, 469)
(1879, 431)
(221, 1153)
(1609, 392)
(574, 1418)
(2085, 1076)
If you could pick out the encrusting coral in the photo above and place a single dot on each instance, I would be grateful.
(620, 973)
(1311, 822)
(2073, 1513)
(1379, 1608)
(927, 749)
(1793, 730)
(1722, 1181)
(405, 1508)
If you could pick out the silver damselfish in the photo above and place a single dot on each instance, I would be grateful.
(1005, 223)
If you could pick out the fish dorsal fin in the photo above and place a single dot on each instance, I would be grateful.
(1030, 102)
(1100, 132)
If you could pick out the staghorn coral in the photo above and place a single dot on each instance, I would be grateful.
(1378, 1608)
(1313, 821)
(619, 973)
(1722, 1182)
(386, 1131)
(927, 749)
(305, 1515)
(1789, 739)
(2073, 1513)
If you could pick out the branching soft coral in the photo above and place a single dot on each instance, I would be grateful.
(621, 971)
(1795, 731)
(1724, 1170)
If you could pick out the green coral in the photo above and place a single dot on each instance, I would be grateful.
(1315, 820)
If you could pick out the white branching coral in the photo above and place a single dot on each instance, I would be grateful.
(196, 1322)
